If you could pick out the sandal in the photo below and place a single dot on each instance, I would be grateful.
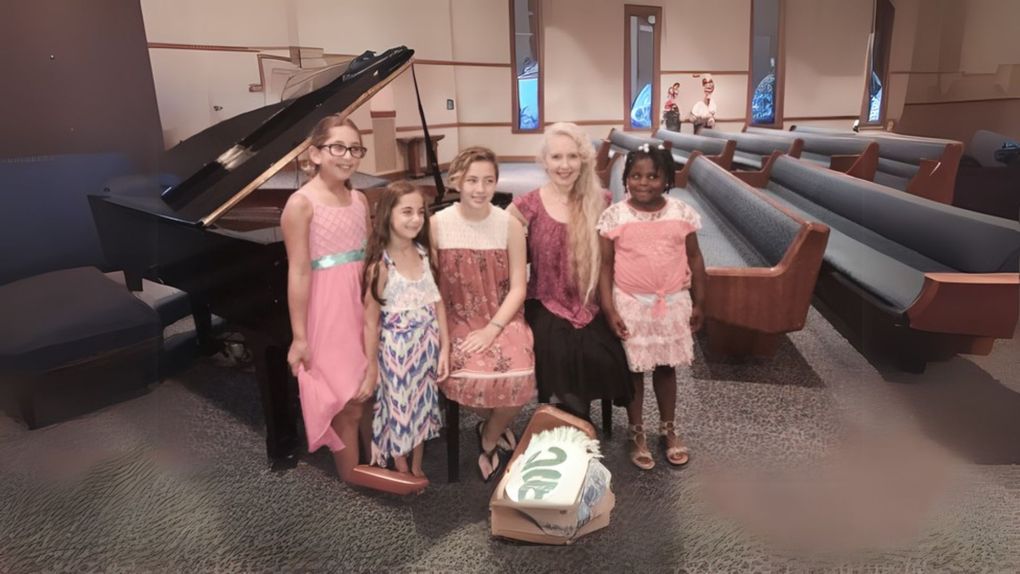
(487, 458)
(640, 456)
(508, 440)
(677, 454)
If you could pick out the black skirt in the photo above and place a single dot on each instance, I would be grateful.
(577, 365)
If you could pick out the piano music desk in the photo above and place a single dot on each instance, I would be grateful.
(412, 152)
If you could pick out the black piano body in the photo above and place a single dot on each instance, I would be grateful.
(204, 226)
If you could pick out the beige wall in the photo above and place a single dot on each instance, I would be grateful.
(959, 65)
(826, 57)
(481, 31)
(825, 50)
(991, 30)
(191, 85)
(353, 26)
(227, 22)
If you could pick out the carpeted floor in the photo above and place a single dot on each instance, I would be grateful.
(813, 461)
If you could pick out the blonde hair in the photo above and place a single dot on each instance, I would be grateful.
(586, 203)
(468, 156)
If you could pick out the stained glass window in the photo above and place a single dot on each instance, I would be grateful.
(525, 48)
(766, 66)
(873, 111)
(642, 65)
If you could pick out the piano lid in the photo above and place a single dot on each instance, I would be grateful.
(237, 155)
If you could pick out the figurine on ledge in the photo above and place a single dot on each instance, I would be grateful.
(670, 110)
(703, 112)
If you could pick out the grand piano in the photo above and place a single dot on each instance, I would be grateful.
(203, 225)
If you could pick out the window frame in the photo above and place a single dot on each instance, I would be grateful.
(515, 110)
(642, 10)
(887, 33)
(777, 121)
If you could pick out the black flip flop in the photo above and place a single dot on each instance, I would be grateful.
(488, 455)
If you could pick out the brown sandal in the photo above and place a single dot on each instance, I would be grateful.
(677, 454)
(640, 456)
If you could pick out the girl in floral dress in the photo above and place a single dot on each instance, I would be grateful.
(482, 258)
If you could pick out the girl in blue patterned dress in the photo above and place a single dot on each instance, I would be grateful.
(404, 309)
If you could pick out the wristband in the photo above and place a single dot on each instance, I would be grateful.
(497, 324)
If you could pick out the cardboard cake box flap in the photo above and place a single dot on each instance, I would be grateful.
(545, 522)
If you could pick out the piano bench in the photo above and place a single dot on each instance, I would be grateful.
(77, 341)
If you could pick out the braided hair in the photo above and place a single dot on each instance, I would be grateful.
(662, 160)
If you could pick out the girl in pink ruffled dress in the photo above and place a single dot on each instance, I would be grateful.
(652, 287)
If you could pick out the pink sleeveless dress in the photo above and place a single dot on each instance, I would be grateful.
(336, 242)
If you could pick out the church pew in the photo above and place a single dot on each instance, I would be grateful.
(617, 144)
(719, 151)
(925, 167)
(821, 130)
(854, 156)
(762, 260)
(920, 166)
(754, 149)
(907, 275)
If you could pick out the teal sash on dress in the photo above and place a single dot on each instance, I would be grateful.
(333, 259)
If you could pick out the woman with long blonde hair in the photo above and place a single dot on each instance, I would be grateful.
(577, 357)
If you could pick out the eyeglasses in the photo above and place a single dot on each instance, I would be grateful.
(338, 150)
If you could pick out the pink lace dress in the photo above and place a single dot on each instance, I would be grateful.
(474, 278)
(651, 283)
(577, 357)
(335, 326)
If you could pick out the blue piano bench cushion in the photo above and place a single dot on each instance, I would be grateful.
(69, 316)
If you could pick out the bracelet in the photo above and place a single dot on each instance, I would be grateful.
(501, 326)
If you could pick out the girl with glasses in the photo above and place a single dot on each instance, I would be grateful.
(325, 224)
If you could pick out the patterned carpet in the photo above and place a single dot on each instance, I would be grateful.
(813, 461)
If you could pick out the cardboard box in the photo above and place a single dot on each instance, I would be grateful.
(507, 518)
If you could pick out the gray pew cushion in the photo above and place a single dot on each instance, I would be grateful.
(767, 229)
(747, 160)
(680, 156)
(688, 143)
(818, 158)
(67, 316)
(891, 281)
(958, 239)
(755, 144)
(897, 168)
(910, 150)
(721, 244)
(889, 180)
(623, 142)
(829, 146)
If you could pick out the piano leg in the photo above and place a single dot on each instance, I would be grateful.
(207, 345)
(275, 388)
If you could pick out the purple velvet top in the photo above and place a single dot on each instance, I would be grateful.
(551, 281)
